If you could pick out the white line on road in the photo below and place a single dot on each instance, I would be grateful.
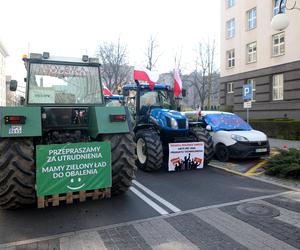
(157, 197)
(148, 201)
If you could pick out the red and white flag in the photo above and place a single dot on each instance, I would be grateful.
(106, 91)
(143, 74)
(177, 83)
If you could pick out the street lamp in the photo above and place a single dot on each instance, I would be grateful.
(280, 21)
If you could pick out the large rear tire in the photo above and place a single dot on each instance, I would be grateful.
(123, 161)
(17, 173)
(200, 134)
(149, 150)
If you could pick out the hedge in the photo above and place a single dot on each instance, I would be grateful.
(286, 164)
(278, 128)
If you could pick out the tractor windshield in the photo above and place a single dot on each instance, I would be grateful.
(159, 98)
(64, 84)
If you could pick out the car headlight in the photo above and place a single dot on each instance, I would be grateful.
(174, 123)
(186, 123)
(239, 138)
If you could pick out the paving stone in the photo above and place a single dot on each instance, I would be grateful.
(270, 226)
(285, 202)
(201, 233)
(240, 231)
(286, 215)
(124, 237)
(161, 235)
(71, 242)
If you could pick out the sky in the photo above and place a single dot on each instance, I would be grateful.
(73, 28)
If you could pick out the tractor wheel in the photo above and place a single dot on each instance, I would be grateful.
(17, 173)
(201, 134)
(149, 150)
(123, 161)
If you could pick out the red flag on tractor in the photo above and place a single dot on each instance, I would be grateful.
(177, 83)
(143, 74)
(106, 91)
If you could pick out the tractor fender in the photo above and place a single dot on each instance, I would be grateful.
(145, 126)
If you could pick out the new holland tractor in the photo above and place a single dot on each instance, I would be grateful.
(63, 139)
(157, 123)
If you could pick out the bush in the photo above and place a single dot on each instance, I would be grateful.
(281, 128)
(286, 164)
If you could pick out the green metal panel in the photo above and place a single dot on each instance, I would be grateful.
(32, 126)
(99, 121)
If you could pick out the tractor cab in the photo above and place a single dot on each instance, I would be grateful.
(144, 102)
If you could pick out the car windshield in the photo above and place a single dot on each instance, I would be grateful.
(228, 122)
(64, 84)
(155, 98)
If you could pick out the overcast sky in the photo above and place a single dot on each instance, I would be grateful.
(73, 28)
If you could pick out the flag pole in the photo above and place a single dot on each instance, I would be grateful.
(137, 101)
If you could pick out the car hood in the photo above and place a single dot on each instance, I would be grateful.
(251, 135)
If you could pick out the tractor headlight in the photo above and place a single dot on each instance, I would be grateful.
(239, 138)
(174, 123)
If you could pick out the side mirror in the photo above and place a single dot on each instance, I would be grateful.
(13, 84)
(183, 93)
(208, 128)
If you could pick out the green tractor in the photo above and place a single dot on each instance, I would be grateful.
(158, 123)
(64, 111)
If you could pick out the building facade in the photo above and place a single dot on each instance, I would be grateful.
(253, 53)
(3, 55)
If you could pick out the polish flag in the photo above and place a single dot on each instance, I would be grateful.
(143, 74)
(177, 83)
(106, 91)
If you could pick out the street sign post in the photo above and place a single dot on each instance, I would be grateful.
(247, 96)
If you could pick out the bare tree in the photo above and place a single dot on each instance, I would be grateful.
(114, 60)
(202, 77)
(151, 52)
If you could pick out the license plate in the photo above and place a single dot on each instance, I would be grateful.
(259, 150)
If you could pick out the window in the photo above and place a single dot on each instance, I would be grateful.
(230, 3)
(230, 87)
(278, 87)
(251, 52)
(276, 7)
(230, 28)
(230, 59)
(252, 82)
(278, 44)
(251, 19)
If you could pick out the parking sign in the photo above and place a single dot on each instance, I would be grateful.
(247, 92)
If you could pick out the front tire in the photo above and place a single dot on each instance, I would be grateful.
(123, 161)
(17, 173)
(202, 135)
(149, 150)
(222, 153)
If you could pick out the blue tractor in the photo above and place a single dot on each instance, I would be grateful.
(158, 123)
(114, 100)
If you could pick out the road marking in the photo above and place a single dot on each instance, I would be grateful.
(148, 201)
(252, 170)
(157, 197)
(226, 169)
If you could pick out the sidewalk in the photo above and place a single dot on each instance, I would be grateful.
(278, 143)
(271, 222)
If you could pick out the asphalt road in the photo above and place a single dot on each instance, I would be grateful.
(153, 194)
